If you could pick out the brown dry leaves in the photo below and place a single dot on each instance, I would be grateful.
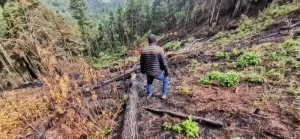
(26, 104)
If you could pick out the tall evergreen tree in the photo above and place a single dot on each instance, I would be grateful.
(78, 10)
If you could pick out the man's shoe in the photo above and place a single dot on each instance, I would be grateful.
(149, 96)
(164, 97)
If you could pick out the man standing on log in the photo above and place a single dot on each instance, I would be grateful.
(155, 66)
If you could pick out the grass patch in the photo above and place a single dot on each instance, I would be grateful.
(229, 78)
(173, 45)
(109, 59)
(248, 58)
(194, 64)
(255, 78)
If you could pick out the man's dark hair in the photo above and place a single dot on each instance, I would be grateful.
(152, 39)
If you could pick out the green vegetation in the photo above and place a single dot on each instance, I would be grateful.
(249, 26)
(273, 56)
(274, 74)
(205, 80)
(125, 97)
(235, 52)
(297, 65)
(105, 132)
(220, 54)
(295, 91)
(254, 78)
(190, 127)
(194, 64)
(173, 45)
(236, 138)
(261, 69)
(248, 58)
(2, 24)
(185, 90)
(177, 128)
(229, 78)
(167, 126)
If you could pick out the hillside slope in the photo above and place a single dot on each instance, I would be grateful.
(246, 77)
(34, 39)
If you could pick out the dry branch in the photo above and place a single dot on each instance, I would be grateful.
(196, 118)
(130, 129)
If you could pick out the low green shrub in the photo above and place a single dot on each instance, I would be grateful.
(215, 75)
(173, 45)
(167, 126)
(190, 127)
(291, 45)
(105, 132)
(273, 56)
(220, 54)
(229, 78)
(205, 80)
(194, 64)
(235, 52)
(177, 128)
(248, 58)
(297, 65)
(254, 78)
(185, 90)
(261, 69)
(274, 74)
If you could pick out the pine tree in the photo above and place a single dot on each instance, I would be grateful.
(130, 17)
(78, 10)
(120, 24)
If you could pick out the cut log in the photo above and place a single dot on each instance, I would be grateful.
(130, 129)
(196, 118)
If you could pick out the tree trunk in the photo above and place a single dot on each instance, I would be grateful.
(187, 16)
(213, 13)
(237, 8)
(9, 61)
(130, 129)
(217, 18)
(4, 64)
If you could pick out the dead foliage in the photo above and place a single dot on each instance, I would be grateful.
(36, 39)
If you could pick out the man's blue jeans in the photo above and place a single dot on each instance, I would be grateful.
(160, 77)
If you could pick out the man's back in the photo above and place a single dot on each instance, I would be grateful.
(153, 61)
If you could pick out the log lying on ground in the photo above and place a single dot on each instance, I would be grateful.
(196, 118)
(130, 130)
(125, 76)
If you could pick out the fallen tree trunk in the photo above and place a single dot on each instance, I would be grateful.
(125, 76)
(130, 129)
(196, 118)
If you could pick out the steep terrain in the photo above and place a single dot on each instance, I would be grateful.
(243, 74)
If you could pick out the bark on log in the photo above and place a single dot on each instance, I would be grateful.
(130, 129)
(196, 118)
